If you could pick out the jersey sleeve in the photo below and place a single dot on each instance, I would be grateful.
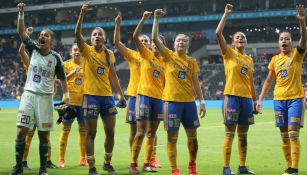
(167, 54)
(271, 64)
(59, 68)
(195, 68)
(112, 57)
(86, 51)
(229, 52)
(30, 45)
(130, 55)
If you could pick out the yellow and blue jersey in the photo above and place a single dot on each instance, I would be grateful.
(75, 82)
(152, 75)
(178, 77)
(288, 71)
(96, 71)
(133, 58)
(239, 69)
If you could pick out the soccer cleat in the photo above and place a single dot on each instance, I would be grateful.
(244, 170)
(134, 168)
(291, 171)
(154, 164)
(227, 171)
(25, 165)
(147, 168)
(93, 171)
(192, 168)
(51, 165)
(61, 163)
(109, 168)
(175, 171)
(16, 170)
(42, 171)
(83, 162)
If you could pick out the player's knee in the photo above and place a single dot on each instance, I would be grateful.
(91, 134)
(294, 135)
(230, 135)
(140, 135)
(172, 140)
(66, 128)
(151, 134)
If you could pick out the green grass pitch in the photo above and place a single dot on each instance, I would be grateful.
(264, 149)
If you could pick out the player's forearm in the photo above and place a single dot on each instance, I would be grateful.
(118, 44)
(220, 27)
(138, 29)
(302, 41)
(78, 29)
(21, 26)
(115, 82)
(23, 55)
(64, 86)
(196, 87)
(265, 90)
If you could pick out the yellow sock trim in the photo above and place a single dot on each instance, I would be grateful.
(107, 158)
(295, 148)
(227, 147)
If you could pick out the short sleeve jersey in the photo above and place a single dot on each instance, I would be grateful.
(75, 82)
(179, 77)
(239, 69)
(152, 75)
(133, 58)
(288, 71)
(96, 71)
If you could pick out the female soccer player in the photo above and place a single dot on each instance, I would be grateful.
(25, 60)
(181, 81)
(98, 96)
(134, 60)
(286, 68)
(239, 94)
(36, 105)
(74, 70)
(149, 106)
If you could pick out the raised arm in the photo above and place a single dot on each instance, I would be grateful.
(80, 41)
(265, 89)
(114, 79)
(118, 44)
(138, 29)
(199, 94)
(301, 16)
(22, 51)
(155, 30)
(20, 23)
(219, 30)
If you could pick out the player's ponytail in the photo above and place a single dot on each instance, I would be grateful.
(107, 55)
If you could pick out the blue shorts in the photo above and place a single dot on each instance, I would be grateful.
(180, 112)
(148, 108)
(238, 110)
(130, 116)
(94, 105)
(80, 117)
(289, 112)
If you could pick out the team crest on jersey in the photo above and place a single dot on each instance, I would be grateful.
(283, 73)
(182, 75)
(156, 73)
(49, 63)
(78, 81)
(37, 78)
(244, 71)
(100, 70)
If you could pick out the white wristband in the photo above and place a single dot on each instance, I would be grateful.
(66, 94)
(202, 102)
(21, 16)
